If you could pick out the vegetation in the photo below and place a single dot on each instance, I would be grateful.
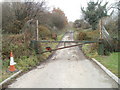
(82, 36)
(86, 34)
(19, 29)
(25, 57)
(91, 51)
(44, 32)
(94, 12)
(59, 19)
(81, 24)
(16, 14)
(110, 62)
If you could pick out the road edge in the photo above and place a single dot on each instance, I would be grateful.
(9, 78)
(109, 73)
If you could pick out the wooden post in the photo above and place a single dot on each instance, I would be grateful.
(36, 43)
(100, 28)
(101, 41)
(37, 31)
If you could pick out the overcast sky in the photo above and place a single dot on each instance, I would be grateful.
(71, 8)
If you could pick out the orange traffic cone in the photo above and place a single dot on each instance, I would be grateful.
(12, 63)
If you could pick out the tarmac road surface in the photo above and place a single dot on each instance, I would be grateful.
(67, 68)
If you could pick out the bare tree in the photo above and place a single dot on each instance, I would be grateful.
(16, 14)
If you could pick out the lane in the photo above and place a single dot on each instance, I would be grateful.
(68, 68)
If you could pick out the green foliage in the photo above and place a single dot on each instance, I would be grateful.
(91, 50)
(111, 62)
(27, 63)
(16, 44)
(94, 12)
(6, 63)
(112, 27)
(18, 32)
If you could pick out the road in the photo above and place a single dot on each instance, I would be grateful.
(67, 68)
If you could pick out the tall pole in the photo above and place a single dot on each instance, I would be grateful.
(37, 31)
(100, 28)
(101, 44)
(36, 43)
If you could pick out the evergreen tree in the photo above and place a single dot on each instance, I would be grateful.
(94, 12)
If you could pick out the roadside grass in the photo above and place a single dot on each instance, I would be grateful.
(90, 50)
(5, 74)
(110, 62)
(26, 63)
(91, 34)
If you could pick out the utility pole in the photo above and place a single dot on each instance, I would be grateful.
(37, 31)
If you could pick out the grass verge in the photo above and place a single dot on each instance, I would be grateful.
(90, 50)
(26, 63)
(110, 62)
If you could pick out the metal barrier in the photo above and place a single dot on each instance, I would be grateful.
(34, 45)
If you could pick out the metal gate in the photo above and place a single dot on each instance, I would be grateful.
(34, 44)
(104, 39)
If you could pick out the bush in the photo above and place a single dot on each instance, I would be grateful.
(93, 47)
(82, 36)
(54, 36)
(17, 45)
(44, 32)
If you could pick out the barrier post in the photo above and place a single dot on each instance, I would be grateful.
(34, 45)
(101, 47)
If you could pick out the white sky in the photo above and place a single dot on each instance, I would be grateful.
(72, 8)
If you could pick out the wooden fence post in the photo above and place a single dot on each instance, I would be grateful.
(101, 41)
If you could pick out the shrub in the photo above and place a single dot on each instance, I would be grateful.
(93, 47)
(82, 36)
(54, 36)
(16, 44)
(92, 35)
(44, 32)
